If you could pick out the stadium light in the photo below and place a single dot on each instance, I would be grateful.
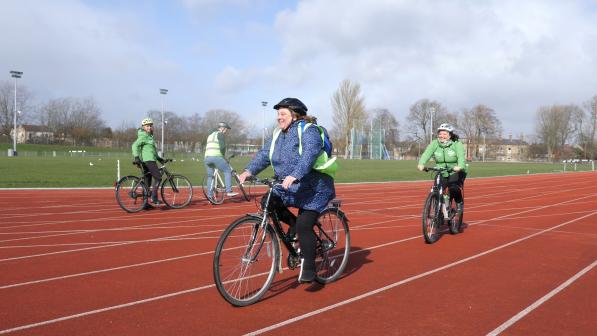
(264, 130)
(163, 92)
(431, 110)
(15, 75)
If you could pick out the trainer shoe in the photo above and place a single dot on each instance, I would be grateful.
(157, 202)
(306, 275)
(231, 194)
(148, 207)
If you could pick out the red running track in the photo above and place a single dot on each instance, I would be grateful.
(72, 262)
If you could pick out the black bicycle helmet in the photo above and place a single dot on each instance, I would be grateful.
(293, 104)
(224, 125)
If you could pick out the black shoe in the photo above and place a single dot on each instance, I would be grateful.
(148, 206)
(306, 275)
(157, 202)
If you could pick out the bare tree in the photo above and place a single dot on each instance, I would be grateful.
(7, 106)
(588, 128)
(349, 112)
(76, 120)
(389, 124)
(478, 124)
(555, 126)
(420, 115)
(209, 123)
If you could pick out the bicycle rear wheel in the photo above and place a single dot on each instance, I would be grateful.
(241, 187)
(245, 261)
(431, 219)
(177, 191)
(334, 245)
(214, 192)
(455, 218)
(131, 193)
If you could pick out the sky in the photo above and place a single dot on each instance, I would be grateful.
(512, 56)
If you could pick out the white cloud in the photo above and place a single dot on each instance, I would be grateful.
(513, 56)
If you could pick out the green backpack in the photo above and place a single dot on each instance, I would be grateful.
(323, 163)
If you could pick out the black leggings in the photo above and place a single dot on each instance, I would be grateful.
(303, 226)
(454, 183)
(154, 171)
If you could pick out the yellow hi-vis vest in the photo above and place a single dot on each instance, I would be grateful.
(213, 145)
(323, 163)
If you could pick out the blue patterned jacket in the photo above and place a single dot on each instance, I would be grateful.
(314, 190)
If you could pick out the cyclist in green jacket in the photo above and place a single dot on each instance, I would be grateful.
(145, 155)
(448, 151)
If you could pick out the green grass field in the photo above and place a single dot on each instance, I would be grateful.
(65, 171)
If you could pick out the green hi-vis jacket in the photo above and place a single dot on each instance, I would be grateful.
(445, 155)
(144, 147)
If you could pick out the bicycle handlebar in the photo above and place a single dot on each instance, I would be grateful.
(438, 169)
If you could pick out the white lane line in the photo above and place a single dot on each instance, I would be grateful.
(301, 317)
(357, 227)
(539, 302)
(407, 280)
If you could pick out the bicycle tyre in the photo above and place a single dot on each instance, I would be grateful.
(430, 221)
(331, 260)
(242, 282)
(456, 220)
(241, 188)
(217, 191)
(128, 191)
(180, 196)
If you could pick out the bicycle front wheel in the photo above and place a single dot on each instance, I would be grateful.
(333, 245)
(215, 191)
(431, 219)
(245, 261)
(177, 191)
(131, 193)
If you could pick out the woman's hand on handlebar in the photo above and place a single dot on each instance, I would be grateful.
(288, 181)
(421, 167)
(242, 177)
(457, 169)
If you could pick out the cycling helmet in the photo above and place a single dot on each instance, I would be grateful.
(146, 121)
(446, 127)
(223, 124)
(293, 104)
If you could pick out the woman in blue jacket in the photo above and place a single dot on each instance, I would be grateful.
(302, 187)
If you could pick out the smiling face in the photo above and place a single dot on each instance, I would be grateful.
(148, 128)
(285, 118)
(443, 136)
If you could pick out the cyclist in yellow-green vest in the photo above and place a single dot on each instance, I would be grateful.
(215, 149)
(447, 151)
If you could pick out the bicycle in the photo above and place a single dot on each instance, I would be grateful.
(218, 187)
(248, 253)
(132, 193)
(436, 210)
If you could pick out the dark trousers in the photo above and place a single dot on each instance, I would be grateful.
(455, 183)
(302, 225)
(154, 171)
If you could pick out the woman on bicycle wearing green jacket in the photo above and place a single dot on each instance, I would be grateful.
(145, 155)
(448, 152)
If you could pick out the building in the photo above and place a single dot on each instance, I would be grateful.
(33, 134)
(512, 150)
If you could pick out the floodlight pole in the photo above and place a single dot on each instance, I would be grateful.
(163, 92)
(15, 75)
(264, 130)
(431, 110)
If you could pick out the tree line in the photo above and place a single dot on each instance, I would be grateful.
(556, 127)
(78, 121)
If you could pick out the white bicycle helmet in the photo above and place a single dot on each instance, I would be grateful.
(446, 127)
(146, 121)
